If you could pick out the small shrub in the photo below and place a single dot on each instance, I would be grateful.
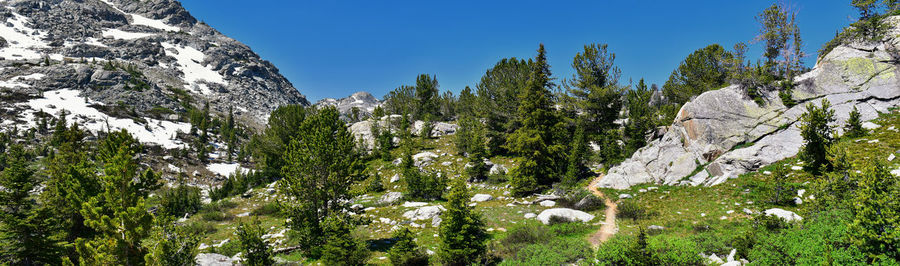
(423, 186)
(632, 210)
(267, 209)
(559, 251)
(405, 252)
(254, 249)
(554, 220)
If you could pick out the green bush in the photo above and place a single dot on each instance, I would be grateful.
(423, 186)
(237, 184)
(630, 209)
(671, 250)
(620, 250)
(521, 236)
(268, 209)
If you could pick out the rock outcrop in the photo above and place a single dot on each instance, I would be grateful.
(722, 134)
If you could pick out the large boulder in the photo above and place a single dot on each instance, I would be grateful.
(783, 214)
(362, 130)
(424, 213)
(424, 158)
(213, 259)
(438, 129)
(707, 130)
(391, 197)
(481, 197)
(564, 213)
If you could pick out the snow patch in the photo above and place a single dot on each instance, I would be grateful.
(158, 132)
(226, 169)
(124, 35)
(189, 62)
(22, 41)
(153, 23)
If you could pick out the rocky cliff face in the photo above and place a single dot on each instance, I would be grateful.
(722, 134)
(89, 57)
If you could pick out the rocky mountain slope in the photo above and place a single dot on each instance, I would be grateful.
(115, 60)
(722, 134)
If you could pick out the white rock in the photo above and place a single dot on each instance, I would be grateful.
(730, 257)
(624, 196)
(413, 204)
(423, 158)
(548, 203)
(870, 125)
(891, 157)
(530, 215)
(570, 214)
(796, 168)
(395, 178)
(424, 213)
(213, 259)
(498, 169)
(783, 214)
(481, 197)
(391, 197)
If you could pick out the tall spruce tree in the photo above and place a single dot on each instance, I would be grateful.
(321, 164)
(536, 140)
(595, 86)
(854, 128)
(816, 127)
(498, 99)
(640, 117)
(25, 231)
(427, 98)
(462, 232)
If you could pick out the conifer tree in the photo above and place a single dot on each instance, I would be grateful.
(427, 98)
(596, 89)
(171, 244)
(575, 168)
(498, 100)
(875, 211)
(535, 140)
(462, 232)
(341, 247)
(25, 231)
(640, 117)
(321, 164)
(283, 126)
(119, 212)
(254, 249)
(854, 128)
(817, 131)
(405, 252)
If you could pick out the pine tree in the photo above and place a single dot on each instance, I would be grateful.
(171, 244)
(119, 212)
(341, 247)
(229, 133)
(462, 231)
(405, 252)
(254, 249)
(775, 32)
(577, 154)
(498, 100)
(596, 89)
(283, 126)
(817, 131)
(875, 210)
(535, 140)
(703, 70)
(854, 128)
(321, 165)
(427, 98)
(640, 117)
(25, 231)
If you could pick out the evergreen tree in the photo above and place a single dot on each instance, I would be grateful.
(401, 101)
(703, 70)
(498, 99)
(448, 107)
(575, 168)
(640, 117)
(854, 128)
(254, 249)
(384, 140)
(321, 165)
(817, 131)
(462, 231)
(341, 247)
(595, 86)
(875, 227)
(427, 98)
(171, 244)
(420, 185)
(229, 134)
(405, 252)
(535, 140)
(354, 114)
(119, 212)
(283, 126)
(467, 103)
(25, 232)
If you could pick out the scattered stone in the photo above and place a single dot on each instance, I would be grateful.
(498, 169)
(783, 214)
(548, 203)
(482, 197)
(891, 157)
(566, 213)
(395, 178)
(424, 213)
(656, 228)
(530, 215)
(873, 141)
(624, 196)
(413, 204)
(391, 197)
(870, 125)
(213, 259)
(796, 168)
(436, 221)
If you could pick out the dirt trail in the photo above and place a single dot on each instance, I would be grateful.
(609, 227)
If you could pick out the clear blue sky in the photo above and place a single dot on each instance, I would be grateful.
(334, 48)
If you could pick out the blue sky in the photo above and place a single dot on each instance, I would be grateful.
(334, 48)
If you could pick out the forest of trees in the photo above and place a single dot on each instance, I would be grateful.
(72, 198)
